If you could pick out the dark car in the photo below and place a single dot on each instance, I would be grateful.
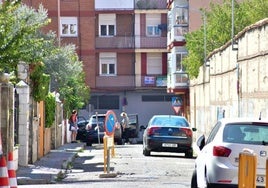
(93, 131)
(168, 133)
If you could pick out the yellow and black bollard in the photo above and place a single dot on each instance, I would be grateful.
(247, 169)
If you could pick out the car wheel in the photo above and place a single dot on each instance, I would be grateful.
(119, 141)
(189, 154)
(194, 180)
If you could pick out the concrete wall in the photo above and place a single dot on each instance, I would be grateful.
(236, 82)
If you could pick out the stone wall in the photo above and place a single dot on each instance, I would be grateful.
(235, 84)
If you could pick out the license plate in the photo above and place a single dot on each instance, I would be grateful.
(260, 179)
(169, 145)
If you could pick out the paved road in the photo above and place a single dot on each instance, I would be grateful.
(130, 168)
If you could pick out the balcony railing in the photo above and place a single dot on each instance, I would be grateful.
(114, 42)
(154, 81)
(181, 79)
(126, 81)
(116, 4)
(150, 4)
(151, 42)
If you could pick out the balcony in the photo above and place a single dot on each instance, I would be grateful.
(181, 79)
(150, 4)
(126, 81)
(117, 42)
(151, 42)
(116, 4)
(178, 80)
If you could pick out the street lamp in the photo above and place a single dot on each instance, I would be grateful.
(234, 43)
(59, 32)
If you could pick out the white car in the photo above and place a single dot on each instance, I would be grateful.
(217, 160)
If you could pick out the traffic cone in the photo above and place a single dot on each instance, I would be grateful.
(4, 181)
(11, 171)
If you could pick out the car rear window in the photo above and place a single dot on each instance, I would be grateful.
(100, 119)
(170, 121)
(246, 134)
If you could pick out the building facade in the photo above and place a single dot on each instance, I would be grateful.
(183, 16)
(135, 51)
(123, 46)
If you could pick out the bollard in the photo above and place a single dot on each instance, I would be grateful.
(105, 153)
(247, 170)
(107, 144)
(266, 180)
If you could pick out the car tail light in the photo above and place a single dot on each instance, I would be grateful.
(187, 131)
(152, 130)
(220, 151)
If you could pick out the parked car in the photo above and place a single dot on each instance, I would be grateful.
(168, 133)
(218, 158)
(92, 130)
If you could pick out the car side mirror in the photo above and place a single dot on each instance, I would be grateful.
(201, 142)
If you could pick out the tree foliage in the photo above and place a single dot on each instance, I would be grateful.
(21, 39)
(218, 29)
(67, 77)
(50, 105)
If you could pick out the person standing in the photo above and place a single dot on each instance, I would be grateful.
(73, 125)
(125, 126)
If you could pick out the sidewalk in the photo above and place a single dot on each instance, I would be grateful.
(50, 167)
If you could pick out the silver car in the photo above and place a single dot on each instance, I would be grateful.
(218, 158)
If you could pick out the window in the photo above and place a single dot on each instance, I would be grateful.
(107, 64)
(68, 26)
(152, 22)
(179, 58)
(213, 132)
(105, 102)
(153, 31)
(154, 63)
(182, 15)
(157, 98)
(107, 24)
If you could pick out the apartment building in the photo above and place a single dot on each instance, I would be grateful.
(183, 16)
(138, 49)
(123, 46)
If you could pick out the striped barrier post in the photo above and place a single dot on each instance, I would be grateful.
(4, 181)
(247, 170)
(11, 171)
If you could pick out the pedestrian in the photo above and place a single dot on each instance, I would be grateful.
(73, 125)
(125, 127)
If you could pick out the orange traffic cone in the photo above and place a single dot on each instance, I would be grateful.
(4, 182)
(11, 171)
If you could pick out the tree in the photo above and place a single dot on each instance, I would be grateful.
(19, 38)
(219, 29)
(67, 77)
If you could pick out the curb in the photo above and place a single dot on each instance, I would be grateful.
(43, 172)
